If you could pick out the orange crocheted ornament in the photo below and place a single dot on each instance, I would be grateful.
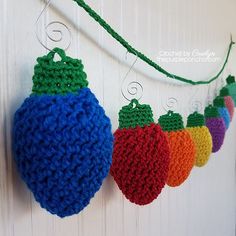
(182, 148)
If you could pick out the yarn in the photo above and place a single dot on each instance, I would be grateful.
(216, 126)
(141, 55)
(139, 115)
(224, 113)
(231, 86)
(61, 77)
(140, 160)
(62, 137)
(182, 148)
(201, 137)
(229, 102)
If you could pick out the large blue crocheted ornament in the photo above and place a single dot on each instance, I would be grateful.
(62, 137)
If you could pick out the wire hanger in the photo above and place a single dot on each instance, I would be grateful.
(134, 86)
(55, 31)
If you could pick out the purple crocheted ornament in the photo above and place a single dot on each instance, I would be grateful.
(216, 126)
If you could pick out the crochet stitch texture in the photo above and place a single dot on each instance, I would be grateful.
(63, 146)
(201, 137)
(135, 114)
(223, 111)
(229, 102)
(231, 86)
(59, 77)
(216, 126)
(140, 160)
(182, 148)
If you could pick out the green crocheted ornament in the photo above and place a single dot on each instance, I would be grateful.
(231, 86)
(224, 92)
(58, 77)
(135, 114)
(195, 119)
(211, 112)
(219, 102)
(171, 121)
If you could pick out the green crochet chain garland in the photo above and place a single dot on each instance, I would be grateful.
(143, 57)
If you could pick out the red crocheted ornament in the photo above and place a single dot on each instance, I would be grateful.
(141, 155)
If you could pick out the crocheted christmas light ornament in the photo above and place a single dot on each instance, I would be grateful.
(201, 137)
(216, 126)
(182, 148)
(62, 137)
(229, 102)
(231, 86)
(219, 102)
(141, 154)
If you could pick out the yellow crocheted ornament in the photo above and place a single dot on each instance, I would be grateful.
(201, 137)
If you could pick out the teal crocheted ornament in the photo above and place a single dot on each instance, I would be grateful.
(231, 86)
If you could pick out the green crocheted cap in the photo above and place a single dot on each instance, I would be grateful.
(135, 114)
(211, 112)
(195, 119)
(224, 92)
(219, 102)
(58, 77)
(171, 121)
(230, 79)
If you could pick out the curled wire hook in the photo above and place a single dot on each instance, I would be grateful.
(55, 31)
(209, 96)
(131, 67)
(171, 103)
(216, 88)
(195, 104)
(222, 82)
(133, 87)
